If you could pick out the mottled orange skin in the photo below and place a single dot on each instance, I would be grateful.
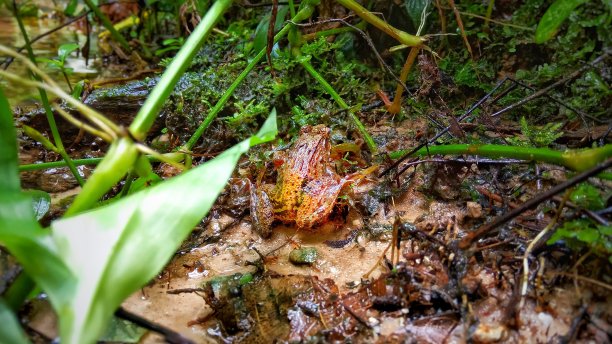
(307, 186)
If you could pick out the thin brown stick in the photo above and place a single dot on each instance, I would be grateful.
(584, 279)
(397, 101)
(460, 25)
(170, 336)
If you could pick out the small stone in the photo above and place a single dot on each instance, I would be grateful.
(304, 255)
(474, 210)
(489, 333)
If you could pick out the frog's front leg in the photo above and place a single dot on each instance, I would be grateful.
(262, 210)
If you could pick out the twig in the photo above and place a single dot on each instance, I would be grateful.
(537, 94)
(467, 240)
(532, 245)
(593, 215)
(466, 161)
(185, 291)
(584, 279)
(571, 333)
(170, 336)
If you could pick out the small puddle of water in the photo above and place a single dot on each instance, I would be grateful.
(46, 47)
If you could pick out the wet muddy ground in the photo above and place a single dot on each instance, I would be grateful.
(228, 283)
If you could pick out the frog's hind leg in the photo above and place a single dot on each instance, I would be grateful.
(317, 202)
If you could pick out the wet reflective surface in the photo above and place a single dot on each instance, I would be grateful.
(46, 47)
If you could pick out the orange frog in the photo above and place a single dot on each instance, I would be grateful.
(307, 187)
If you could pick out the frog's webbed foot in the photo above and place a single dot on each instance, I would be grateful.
(262, 214)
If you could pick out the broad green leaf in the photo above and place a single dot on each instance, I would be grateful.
(554, 16)
(11, 330)
(65, 50)
(20, 232)
(41, 202)
(116, 249)
(414, 9)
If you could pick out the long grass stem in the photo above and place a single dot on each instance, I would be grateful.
(578, 160)
(332, 92)
(45, 102)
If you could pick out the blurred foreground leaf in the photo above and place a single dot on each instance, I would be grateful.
(11, 330)
(116, 249)
(89, 263)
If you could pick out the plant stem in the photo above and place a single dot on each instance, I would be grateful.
(396, 106)
(45, 102)
(578, 160)
(118, 161)
(329, 89)
(399, 35)
(108, 25)
(55, 164)
(488, 13)
(325, 33)
(67, 80)
(160, 93)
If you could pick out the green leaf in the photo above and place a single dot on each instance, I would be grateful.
(116, 249)
(65, 50)
(20, 232)
(71, 8)
(588, 235)
(414, 9)
(77, 89)
(41, 202)
(605, 230)
(552, 19)
(51, 62)
(587, 196)
(11, 330)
